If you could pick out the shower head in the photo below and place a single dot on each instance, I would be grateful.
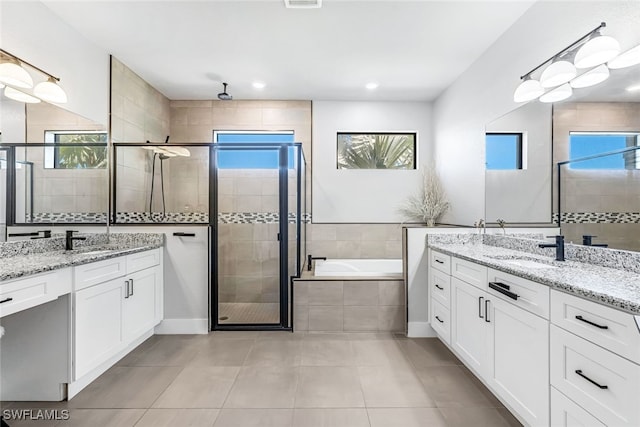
(224, 96)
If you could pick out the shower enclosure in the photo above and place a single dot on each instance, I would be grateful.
(252, 197)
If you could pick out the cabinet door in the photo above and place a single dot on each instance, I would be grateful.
(469, 328)
(97, 325)
(566, 413)
(519, 354)
(139, 307)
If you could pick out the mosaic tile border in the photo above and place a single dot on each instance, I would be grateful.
(69, 217)
(598, 217)
(168, 218)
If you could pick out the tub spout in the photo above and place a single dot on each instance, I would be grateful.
(310, 259)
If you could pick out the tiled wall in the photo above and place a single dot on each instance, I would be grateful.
(592, 195)
(62, 190)
(355, 240)
(349, 306)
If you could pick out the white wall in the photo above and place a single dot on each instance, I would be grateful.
(485, 91)
(32, 32)
(364, 196)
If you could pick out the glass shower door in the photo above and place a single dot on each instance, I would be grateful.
(4, 176)
(250, 271)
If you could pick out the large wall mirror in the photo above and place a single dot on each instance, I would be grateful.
(61, 173)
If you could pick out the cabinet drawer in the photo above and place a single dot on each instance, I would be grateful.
(141, 260)
(440, 321)
(441, 288)
(566, 413)
(97, 272)
(24, 293)
(595, 378)
(531, 296)
(610, 328)
(440, 261)
(470, 272)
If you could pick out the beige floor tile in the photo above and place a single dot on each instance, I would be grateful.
(479, 417)
(234, 335)
(102, 417)
(179, 417)
(222, 353)
(494, 402)
(274, 353)
(380, 353)
(199, 387)
(426, 352)
(126, 387)
(280, 335)
(264, 387)
(166, 350)
(327, 353)
(449, 386)
(255, 418)
(329, 387)
(330, 417)
(388, 387)
(407, 417)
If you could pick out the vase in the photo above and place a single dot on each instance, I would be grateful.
(431, 222)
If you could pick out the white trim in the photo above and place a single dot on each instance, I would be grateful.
(420, 330)
(182, 326)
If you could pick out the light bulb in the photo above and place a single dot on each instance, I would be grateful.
(557, 73)
(527, 91)
(591, 77)
(558, 94)
(597, 51)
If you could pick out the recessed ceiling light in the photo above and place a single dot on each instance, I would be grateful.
(259, 85)
(633, 88)
(372, 85)
(303, 4)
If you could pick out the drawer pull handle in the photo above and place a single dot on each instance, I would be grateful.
(480, 315)
(582, 319)
(131, 281)
(496, 287)
(440, 287)
(438, 319)
(486, 311)
(502, 285)
(6, 300)
(181, 234)
(126, 289)
(439, 262)
(601, 387)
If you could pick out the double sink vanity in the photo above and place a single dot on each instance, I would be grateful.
(558, 342)
(69, 315)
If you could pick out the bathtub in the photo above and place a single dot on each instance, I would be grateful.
(358, 267)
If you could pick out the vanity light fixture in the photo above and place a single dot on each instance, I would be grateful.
(594, 52)
(14, 75)
(626, 59)
(591, 77)
(20, 96)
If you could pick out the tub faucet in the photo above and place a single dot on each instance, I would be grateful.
(70, 238)
(310, 259)
(559, 245)
(587, 241)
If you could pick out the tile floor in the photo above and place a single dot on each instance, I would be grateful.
(262, 379)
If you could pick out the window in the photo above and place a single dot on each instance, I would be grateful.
(585, 144)
(503, 151)
(376, 150)
(69, 156)
(252, 159)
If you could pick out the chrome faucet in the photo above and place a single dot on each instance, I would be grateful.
(559, 245)
(310, 260)
(70, 238)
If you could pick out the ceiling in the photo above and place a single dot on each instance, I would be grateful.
(185, 49)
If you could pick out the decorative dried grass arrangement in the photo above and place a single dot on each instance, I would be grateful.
(430, 203)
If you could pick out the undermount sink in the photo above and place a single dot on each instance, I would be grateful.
(523, 261)
(527, 263)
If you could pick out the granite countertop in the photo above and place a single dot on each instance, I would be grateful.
(609, 286)
(12, 267)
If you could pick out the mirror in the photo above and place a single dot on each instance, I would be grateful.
(600, 197)
(518, 170)
(61, 184)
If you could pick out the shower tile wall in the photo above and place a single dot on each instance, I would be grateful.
(597, 191)
(62, 190)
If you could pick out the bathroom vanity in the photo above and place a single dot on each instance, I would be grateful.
(557, 342)
(71, 315)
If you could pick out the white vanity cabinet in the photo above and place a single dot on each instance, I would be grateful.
(23, 293)
(501, 335)
(112, 315)
(595, 355)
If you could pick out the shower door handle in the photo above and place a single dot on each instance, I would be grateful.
(278, 237)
